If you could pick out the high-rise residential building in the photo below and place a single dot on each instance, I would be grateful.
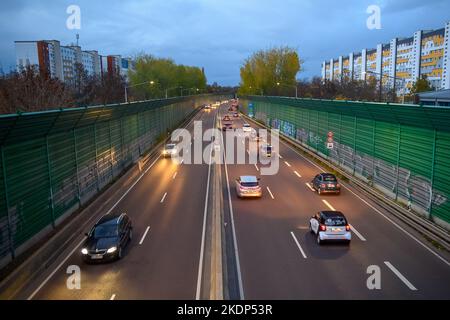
(399, 63)
(60, 62)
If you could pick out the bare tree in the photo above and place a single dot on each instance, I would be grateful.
(29, 90)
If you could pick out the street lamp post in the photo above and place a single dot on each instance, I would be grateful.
(136, 85)
(289, 86)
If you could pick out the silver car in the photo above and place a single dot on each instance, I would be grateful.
(330, 226)
(248, 186)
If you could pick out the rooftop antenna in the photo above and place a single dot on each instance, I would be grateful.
(78, 37)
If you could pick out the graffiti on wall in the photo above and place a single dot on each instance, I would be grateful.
(416, 189)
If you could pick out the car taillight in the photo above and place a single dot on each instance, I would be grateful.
(347, 227)
(322, 185)
(323, 227)
(338, 185)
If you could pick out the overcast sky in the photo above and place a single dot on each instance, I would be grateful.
(217, 34)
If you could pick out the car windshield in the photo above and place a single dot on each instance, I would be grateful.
(170, 146)
(105, 231)
(329, 178)
(335, 221)
(249, 184)
(246, 125)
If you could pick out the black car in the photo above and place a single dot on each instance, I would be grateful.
(326, 183)
(107, 238)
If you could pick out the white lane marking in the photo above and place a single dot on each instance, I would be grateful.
(270, 192)
(297, 174)
(163, 198)
(56, 269)
(84, 238)
(175, 174)
(248, 152)
(298, 245)
(145, 234)
(202, 245)
(309, 186)
(287, 163)
(182, 160)
(243, 142)
(376, 210)
(279, 155)
(257, 169)
(236, 251)
(400, 276)
(113, 297)
(359, 235)
(328, 205)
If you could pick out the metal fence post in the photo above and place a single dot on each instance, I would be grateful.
(96, 156)
(398, 158)
(374, 127)
(340, 137)
(5, 185)
(317, 132)
(433, 157)
(355, 127)
(122, 139)
(110, 151)
(76, 165)
(49, 169)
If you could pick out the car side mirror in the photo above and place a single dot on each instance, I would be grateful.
(259, 179)
(86, 234)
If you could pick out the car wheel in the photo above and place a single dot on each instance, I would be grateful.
(130, 235)
(319, 241)
(310, 228)
(119, 253)
(347, 243)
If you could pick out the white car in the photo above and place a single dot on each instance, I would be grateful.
(248, 186)
(266, 150)
(169, 150)
(246, 127)
(330, 226)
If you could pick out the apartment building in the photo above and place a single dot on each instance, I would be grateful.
(399, 63)
(58, 61)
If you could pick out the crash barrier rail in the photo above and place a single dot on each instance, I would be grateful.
(401, 150)
(54, 162)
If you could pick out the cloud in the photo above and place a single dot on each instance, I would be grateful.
(217, 34)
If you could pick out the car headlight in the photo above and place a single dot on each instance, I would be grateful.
(84, 251)
(111, 250)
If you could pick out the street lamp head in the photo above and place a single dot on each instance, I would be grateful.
(278, 83)
(152, 82)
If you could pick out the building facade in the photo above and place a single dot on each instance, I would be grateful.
(399, 63)
(60, 62)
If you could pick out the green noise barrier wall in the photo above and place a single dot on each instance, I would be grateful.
(53, 162)
(402, 150)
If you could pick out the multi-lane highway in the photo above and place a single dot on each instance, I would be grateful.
(275, 256)
(280, 259)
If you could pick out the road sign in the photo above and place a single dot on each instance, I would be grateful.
(330, 145)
